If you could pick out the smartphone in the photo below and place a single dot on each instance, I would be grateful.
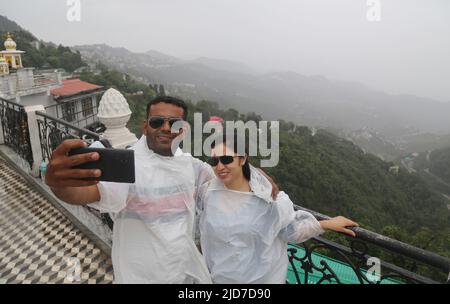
(117, 165)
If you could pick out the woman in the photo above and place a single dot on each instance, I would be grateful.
(243, 231)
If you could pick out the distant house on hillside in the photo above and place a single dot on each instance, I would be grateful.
(76, 101)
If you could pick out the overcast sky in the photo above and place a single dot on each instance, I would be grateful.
(407, 51)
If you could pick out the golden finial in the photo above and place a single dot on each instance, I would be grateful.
(9, 44)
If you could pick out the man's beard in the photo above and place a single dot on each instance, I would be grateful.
(166, 149)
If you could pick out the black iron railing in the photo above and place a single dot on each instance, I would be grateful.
(357, 258)
(53, 131)
(16, 135)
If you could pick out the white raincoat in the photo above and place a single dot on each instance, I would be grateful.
(154, 219)
(244, 235)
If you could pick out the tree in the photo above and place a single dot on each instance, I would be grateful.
(162, 91)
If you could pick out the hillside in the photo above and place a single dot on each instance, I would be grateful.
(440, 164)
(7, 25)
(40, 54)
(306, 100)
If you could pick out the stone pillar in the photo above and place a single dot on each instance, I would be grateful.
(33, 128)
(114, 113)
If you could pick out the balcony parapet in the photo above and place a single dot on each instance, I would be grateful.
(360, 263)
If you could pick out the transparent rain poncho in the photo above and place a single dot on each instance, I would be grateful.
(244, 235)
(154, 219)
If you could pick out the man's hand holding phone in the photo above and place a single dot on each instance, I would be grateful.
(75, 165)
(61, 172)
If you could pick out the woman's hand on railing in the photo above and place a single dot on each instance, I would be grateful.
(339, 224)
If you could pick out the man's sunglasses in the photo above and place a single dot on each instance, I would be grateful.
(224, 160)
(157, 121)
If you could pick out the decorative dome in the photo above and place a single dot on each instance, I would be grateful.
(113, 104)
(10, 44)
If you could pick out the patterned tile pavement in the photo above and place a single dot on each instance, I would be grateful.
(38, 244)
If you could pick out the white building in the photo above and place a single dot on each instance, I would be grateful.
(76, 101)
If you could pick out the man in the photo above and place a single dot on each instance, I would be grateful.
(154, 217)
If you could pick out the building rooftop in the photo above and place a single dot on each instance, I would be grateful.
(72, 87)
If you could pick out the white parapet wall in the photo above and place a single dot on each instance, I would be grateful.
(35, 141)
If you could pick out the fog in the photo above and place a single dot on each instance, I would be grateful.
(406, 51)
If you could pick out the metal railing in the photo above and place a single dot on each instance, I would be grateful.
(357, 259)
(53, 131)
(14, 122)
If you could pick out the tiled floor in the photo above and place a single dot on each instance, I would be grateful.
(38, 244)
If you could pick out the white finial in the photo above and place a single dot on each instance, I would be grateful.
(114, 112)
(113, 104)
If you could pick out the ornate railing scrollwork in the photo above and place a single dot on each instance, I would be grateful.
(14, 121)
(53, 131)
(306, 260)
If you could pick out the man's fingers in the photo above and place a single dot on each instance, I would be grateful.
(68, 174)
(73, 183)
(82, 158)
(68, 145)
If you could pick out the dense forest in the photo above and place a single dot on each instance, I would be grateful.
(440, 164)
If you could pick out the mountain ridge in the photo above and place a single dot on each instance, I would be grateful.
(316, 100)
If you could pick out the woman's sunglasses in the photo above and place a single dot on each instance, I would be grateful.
(157, 121)
(224, 160)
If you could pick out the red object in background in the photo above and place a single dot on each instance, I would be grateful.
(216, 118)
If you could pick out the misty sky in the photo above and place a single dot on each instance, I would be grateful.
(408, 51)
